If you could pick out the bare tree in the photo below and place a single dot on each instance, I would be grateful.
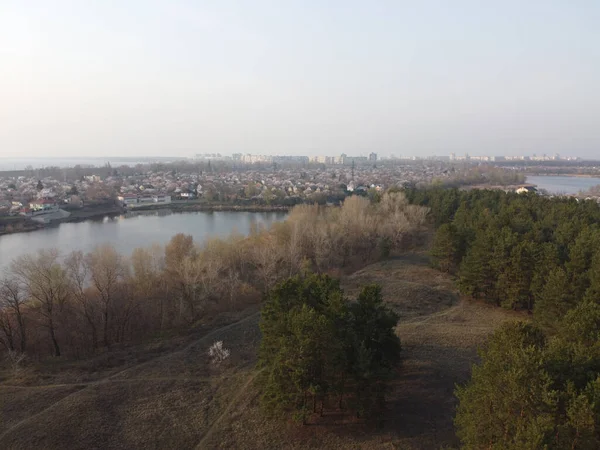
(149, 282)
(190, 276)
(45, 282)
(266, 261)
(106, 270)
(182, 270)
(7, 328)
(12, 298)
(79, 279)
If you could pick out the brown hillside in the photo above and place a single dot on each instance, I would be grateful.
(169, 396)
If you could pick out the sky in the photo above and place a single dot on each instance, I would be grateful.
(409, 78)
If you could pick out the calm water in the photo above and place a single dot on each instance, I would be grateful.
(563, 185)
(129, 232)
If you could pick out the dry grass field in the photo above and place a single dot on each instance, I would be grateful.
(167, 394)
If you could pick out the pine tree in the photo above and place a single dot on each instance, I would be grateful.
(445, 248)
(592, 294)
(514, 281)
(476, 277)
(374, 349)
(554, 300)
(580, 259)
(509, 402)
(316, 345)
(533, 392)
(546, 260)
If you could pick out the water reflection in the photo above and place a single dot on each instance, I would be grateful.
(131, 230)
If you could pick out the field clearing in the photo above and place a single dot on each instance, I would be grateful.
(173, 397)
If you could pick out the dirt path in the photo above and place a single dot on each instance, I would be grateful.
(107, 380)
(233, 401)
(114, 377)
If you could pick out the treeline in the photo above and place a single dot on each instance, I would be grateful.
(320, 352)
(77, 304)
(538, 384)
(480, 176)
(517, 251)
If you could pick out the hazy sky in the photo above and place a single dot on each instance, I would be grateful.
(146, 77)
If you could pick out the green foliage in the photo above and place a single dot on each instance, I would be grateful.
(506, 247)
(537, 386)
(554, 299)
(509, 402)
(533, 391)
(373, 349)
(476, 276)
(445, 248)
(318, 347)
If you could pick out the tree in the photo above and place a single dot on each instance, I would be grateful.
(107, 270)
(581, 253)
(12, 300)
(593, 291)
(149, 281)
(182, 270)
(515, 279)
(297, 338)
(373, 348)
(509, 402)
(299, 372)
(86, 304)
(45, 282)
(546, 261)
(7, 337)
(554, 300)
(39, 185)
(316, 344)
(476, 277)
(444, 250)
(266, 261)
(534, 391)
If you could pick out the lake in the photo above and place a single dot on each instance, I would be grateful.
(563, 185)
(131, 231)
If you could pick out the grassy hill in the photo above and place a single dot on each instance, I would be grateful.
(167, 394)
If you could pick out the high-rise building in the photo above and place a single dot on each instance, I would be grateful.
(373, 157)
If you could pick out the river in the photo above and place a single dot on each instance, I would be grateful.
(131, 231)
(563, 184)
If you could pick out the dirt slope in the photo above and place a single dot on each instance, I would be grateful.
(178, 400)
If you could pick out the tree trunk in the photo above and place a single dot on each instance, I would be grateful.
(53, 338)
(21, 323)
(94, 337)
(90, 321)
(106, 341)
(9, 344)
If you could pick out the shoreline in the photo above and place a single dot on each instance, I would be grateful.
(570, 175)
(27, 225)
